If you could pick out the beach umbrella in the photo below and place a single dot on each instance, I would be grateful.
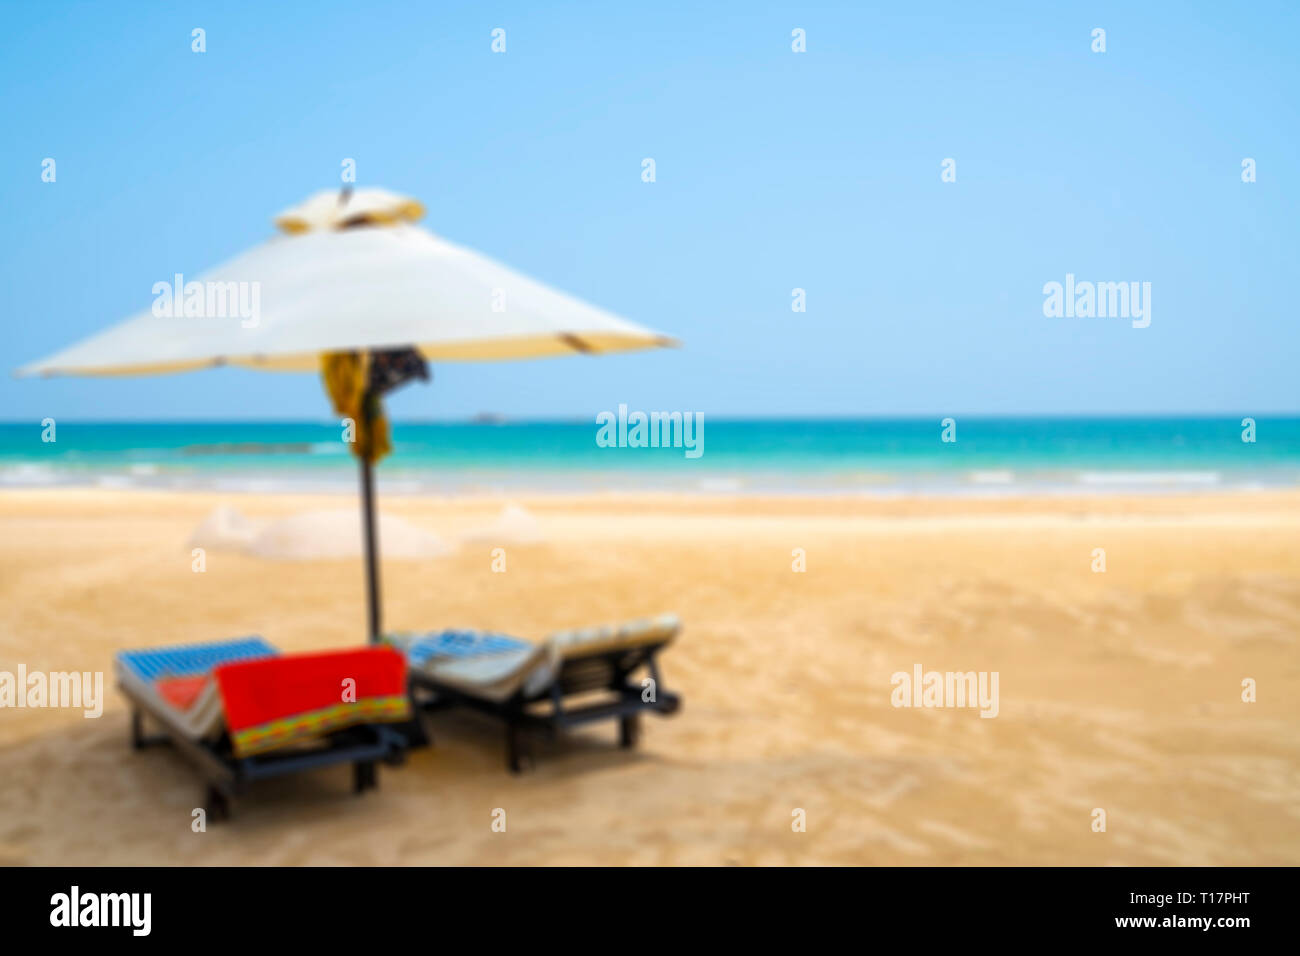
(354, 290)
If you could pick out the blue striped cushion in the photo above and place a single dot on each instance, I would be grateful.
(188, 660)
(455, 644)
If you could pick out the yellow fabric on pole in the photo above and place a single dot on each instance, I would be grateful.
(345, 375)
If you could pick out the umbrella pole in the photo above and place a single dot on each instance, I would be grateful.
(371, 545)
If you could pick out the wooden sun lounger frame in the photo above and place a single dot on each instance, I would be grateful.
(608, 670)
(225, 775)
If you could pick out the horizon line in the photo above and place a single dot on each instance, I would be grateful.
(493, 419)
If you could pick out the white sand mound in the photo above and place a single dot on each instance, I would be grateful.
(224, 529)
(318, 535)
(515, 525)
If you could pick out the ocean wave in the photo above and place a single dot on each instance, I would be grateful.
(336, 477)
(719, 485)
(252, 448)
(1150, 478)
(991, 477)
(28, 475)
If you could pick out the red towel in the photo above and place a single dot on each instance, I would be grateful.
(180, 692)
(276, 701)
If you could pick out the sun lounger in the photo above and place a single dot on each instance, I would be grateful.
(535, 686)
(241, 711)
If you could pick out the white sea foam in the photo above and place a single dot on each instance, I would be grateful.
(1150, 478)
(28, 475)
(991, 477)
(720, 485)
(410, 481)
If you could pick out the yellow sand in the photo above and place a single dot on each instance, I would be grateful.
(1119, 691)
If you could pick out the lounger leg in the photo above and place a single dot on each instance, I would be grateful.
(629, 731)
(364, 776)
(516, 748)
(139, 740)
(217, 804)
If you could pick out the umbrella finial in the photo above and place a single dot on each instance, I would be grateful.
(328, 210)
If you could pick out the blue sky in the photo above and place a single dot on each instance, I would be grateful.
(775, 170)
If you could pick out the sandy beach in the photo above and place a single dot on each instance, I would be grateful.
(1118, 690)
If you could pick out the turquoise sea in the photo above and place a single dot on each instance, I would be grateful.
(868, 456)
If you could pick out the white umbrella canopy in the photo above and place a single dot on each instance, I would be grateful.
(352, 275)
(330, 287)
